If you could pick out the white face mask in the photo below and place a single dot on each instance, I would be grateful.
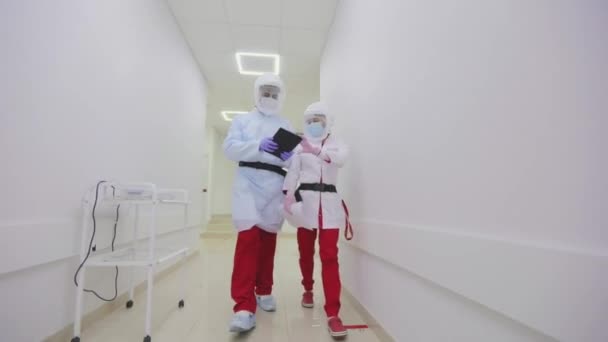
(268, 105)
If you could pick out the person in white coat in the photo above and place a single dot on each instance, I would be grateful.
(256, 200)
(313, 205)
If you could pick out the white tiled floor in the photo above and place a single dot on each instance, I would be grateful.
(209, 307)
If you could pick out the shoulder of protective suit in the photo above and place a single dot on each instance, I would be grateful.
(283, 120)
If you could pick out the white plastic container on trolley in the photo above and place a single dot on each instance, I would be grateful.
(134, 254)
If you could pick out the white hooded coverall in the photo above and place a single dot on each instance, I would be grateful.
(308, 168)
(256, 194)
(256, 199)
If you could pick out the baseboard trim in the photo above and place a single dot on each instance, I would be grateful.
(46, 248)
(106, 309)
(494, 272)
(372, 323)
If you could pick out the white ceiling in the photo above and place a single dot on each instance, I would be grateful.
(294, 29)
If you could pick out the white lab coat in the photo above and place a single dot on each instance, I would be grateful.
(308, 168)
(256, 194)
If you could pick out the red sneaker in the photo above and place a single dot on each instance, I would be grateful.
(307, 300)
(335, 327)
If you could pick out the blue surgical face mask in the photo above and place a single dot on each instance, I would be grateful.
(315, 129)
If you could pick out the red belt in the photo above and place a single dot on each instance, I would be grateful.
(348, 228)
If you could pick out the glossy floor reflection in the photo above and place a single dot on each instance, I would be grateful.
(209, 307)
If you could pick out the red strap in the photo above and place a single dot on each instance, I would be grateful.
(348, 228)
(356, 326)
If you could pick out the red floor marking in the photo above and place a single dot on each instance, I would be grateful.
(360, 326)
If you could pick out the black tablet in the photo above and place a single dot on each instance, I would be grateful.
(286, 140)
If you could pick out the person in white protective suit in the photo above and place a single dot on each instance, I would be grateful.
(257, 197)
(313, 205)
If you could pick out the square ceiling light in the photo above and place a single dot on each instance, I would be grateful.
(257, 64)
(228, 115)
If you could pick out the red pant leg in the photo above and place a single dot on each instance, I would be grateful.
(245, 269)
(306, 245)
(264, 279)
(328, 242)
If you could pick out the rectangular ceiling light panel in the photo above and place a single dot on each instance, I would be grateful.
(257, 64)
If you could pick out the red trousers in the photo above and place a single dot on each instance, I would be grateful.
(253, 267)
(330, 272)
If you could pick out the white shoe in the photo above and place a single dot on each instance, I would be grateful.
(242, 321)
(267, 303)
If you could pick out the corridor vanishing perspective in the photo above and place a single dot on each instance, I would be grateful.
(158, 149)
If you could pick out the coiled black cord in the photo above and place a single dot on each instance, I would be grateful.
(91, 246)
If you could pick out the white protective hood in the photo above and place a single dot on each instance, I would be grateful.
(269, 80)
(318, 108)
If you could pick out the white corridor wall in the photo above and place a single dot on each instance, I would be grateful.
(224, 171)
(89, 90)
(478, 171)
